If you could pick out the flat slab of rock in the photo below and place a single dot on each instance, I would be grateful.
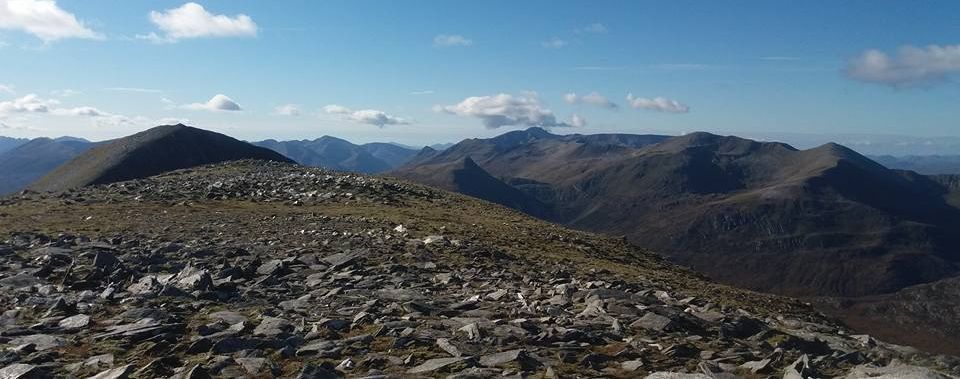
(121, 372)
(40, 341)
(653, 321)
(675, 375)
(497, 359)
(895, 370)
(75, 322)
(273, 327)
(22, 371)
(437, 364)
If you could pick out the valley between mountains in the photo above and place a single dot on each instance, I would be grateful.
(241, 263)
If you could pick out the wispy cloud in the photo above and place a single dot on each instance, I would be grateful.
(553, 43)
(8, 89)
(451, 40)
(578, 121)
(504, 110)
(682, 66)
(910, 66)
(132, 89)
(43, 19)
(191, 20)
(594, 28)
(33, 104)
(365, 116)
(219, 103)
(66, 92)
(287, 110)
(592, 98)
(658, 104)
(423, 92)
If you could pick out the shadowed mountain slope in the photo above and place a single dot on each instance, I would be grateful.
(151, 152)
(8, 143)
(820, 222)
(28, 162)
(466, 177)
(393, 155)
(745, 212)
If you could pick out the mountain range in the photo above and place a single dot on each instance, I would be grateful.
(338, 154)
(23, 161)
(923, 164)
(822, 222)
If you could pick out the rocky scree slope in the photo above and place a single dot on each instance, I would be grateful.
(265, 269)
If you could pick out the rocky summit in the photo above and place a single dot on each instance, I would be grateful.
(267, 269)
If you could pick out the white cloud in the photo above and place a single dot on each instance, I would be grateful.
(132, 89)
(365, 116)
(577, 121)
(219, 103)
(424, 92)
(553, 43)
(27, 104)
(287, 110)
(7, 89)
(191, 20)
(444, 40)
(592, 98)
(911, 66)
(658, 104)
(44, 19)
(595, 28)
(504, 110)
(336, 109)
(34, 104)
(80, 111)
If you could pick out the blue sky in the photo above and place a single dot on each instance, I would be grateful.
(421, 72)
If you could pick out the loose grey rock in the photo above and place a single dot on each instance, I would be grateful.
(74, 322)
(895, 370)
(121, 372)
(273, 327)
(497, 359)
(675, 375)
(41, 342)
(653, 321)
(22, 371)
(445, 344)
(436, 364)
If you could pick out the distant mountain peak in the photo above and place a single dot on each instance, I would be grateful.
(150, 152)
